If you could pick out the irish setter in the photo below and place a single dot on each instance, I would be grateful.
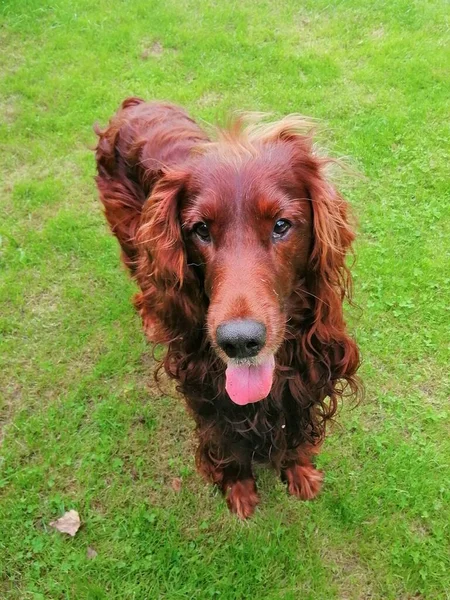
(238, 246)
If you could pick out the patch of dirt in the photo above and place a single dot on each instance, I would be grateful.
(350, 576)
(420, 529)
(156, 388)
(431, 390)
(12, 398)
(209, 99)
(377, 33)
(155, 49)
(9, 109)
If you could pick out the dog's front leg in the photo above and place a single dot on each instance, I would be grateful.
(232, 474)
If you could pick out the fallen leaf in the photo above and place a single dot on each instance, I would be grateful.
(68, 523)
(176, 484)
(91, 553)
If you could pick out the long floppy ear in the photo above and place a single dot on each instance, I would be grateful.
(329, 282)
(326, 346)
(333, 236)
(160, 232)
(170, 288)
(323, 341)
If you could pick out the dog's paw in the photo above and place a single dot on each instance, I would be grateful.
(242, 498)
(303, 482)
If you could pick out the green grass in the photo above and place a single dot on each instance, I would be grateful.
(82, 425)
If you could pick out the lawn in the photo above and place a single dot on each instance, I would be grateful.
(82, 425)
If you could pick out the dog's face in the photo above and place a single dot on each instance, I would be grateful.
(238, 234)
(247, 226)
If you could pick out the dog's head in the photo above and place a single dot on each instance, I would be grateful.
(241, 237)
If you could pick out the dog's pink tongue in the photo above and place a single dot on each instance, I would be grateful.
(245, 384)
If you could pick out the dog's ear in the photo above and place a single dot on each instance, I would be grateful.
(333, 236)
(160, 232)
(170, 287)
(328, 282)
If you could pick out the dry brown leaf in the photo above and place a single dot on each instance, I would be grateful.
(176, 484)
(91, 553)
(68, 523)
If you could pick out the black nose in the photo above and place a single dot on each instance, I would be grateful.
(241, 338)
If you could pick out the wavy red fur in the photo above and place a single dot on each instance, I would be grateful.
(158, 175)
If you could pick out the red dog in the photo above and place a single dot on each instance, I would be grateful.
(238, 247)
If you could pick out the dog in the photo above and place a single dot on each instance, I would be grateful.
(238, 245)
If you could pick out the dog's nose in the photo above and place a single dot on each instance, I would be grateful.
(241, 338)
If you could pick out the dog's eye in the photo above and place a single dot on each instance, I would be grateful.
(201, 230)
(280, 229)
